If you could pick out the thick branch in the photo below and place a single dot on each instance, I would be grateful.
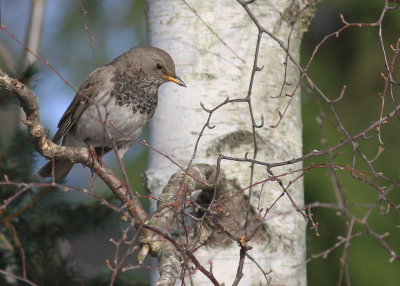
(163, 246)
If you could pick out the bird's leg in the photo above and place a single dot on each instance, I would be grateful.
(93, 154)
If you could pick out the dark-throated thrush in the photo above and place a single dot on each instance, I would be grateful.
(113, 105)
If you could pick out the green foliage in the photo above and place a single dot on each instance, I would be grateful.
(122, 280)
(353, 59)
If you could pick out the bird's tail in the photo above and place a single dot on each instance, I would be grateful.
(61, 169)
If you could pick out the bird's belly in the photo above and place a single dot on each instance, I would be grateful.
(107, 122)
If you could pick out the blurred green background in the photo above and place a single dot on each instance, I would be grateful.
(354, 59)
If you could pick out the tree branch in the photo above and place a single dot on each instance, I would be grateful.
(164, 247)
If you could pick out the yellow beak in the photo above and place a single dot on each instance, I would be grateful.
(175, 79)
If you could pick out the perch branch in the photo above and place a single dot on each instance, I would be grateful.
(164, 247)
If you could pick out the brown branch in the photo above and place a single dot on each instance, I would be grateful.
(239, 271)
(164, 246)
(90, 34)
(48, 185)
(17, 277)
(18, 244)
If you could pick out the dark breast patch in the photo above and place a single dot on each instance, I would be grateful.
(136, 93)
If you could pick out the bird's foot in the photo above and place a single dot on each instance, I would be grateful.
(93, 155)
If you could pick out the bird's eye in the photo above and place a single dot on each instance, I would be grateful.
(160, 66)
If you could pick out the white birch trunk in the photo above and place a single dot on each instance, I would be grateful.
(212, 72)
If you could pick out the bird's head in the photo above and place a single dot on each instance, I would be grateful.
(157, 65)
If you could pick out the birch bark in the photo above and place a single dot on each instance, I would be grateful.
(214, 71)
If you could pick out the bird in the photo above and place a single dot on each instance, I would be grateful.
(113, 105)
